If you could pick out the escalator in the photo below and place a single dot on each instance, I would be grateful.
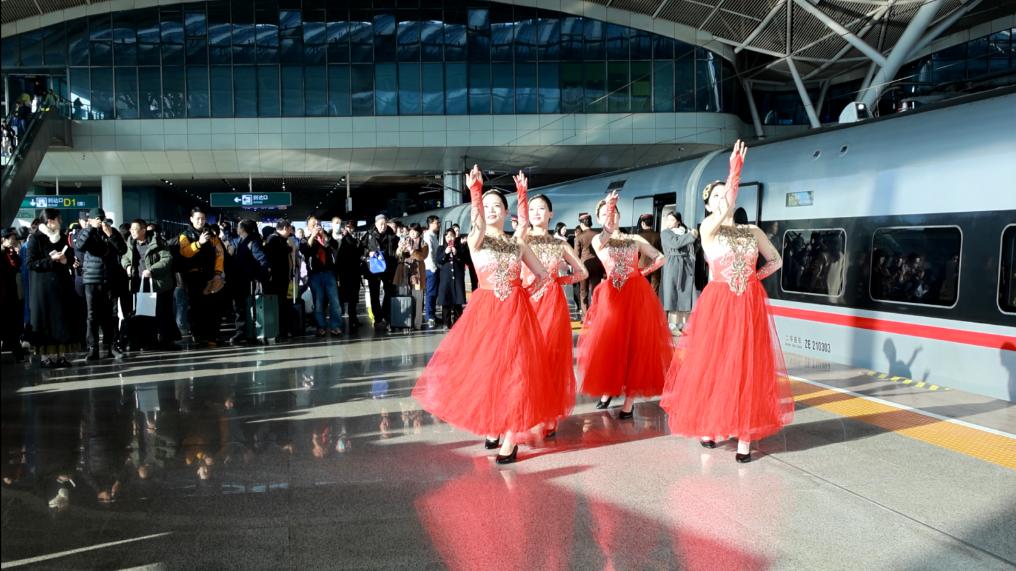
(47, 129)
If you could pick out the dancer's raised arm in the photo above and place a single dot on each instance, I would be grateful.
(610, 220)
(477, 224)
(721, 201)
(522, 189)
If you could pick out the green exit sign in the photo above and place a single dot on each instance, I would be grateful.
(251, 199)
(78, 202)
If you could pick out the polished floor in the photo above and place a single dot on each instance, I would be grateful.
(312, 455)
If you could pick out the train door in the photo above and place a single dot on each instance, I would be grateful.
(656, 204)
(749, 197)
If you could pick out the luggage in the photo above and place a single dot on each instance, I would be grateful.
(297, 323)
(265, 323)
(266, 317)
(403, 311)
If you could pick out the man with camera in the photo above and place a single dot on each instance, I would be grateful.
(202, 258)
(102, 245)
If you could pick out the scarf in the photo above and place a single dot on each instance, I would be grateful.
(321, 255)
(54, 236)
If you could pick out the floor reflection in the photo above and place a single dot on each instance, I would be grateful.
(314, 455)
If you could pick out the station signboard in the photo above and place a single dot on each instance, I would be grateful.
(251, 199)
(64, 202)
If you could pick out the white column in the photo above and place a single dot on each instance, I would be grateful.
(454, 183)
(112, 197)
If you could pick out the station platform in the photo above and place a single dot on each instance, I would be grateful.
(312, 455)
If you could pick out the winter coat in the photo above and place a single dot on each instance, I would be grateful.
(319, 257)
(157, 259)
(101, 263)
(51, 296)
(386, 242)
(678, 283)
(452, 271)
(250, 264)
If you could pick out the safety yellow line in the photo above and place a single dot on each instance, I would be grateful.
(993, 448)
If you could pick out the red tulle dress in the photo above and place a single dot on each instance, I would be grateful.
(551, 308)
(625, 345)
(490, 374)
(728, 377)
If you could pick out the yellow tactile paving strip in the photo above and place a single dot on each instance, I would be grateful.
(978, 444)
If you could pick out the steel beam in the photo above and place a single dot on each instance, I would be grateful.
(881, 13)
(898, 55)
(755, 120)
(846, 34)
(942, 26)
(663, 4)
(805, 98)
(761, 26)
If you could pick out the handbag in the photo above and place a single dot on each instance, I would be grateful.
(145, 301)
(376, 263)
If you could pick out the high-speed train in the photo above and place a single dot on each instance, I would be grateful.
(898, 237)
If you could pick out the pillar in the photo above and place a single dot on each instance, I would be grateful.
(112, 197)
(454, 183)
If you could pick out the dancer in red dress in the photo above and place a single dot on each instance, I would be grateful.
(728, 378)
(625, 344)
(490, 375)
(548, 298)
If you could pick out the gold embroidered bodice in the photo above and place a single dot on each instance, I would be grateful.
(550, 251)
(620, 258)
(498, 263)
(732, 257)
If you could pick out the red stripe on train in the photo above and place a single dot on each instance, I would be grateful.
(989, 340)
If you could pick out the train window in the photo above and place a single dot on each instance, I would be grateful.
(813, 261)
(1007, 271)
(916, 265)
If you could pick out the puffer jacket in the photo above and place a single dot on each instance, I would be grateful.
(101, 261)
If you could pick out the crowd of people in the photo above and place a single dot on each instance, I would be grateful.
(15, 125)
(81, 285)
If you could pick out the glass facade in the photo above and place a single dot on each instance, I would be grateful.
(282, 58)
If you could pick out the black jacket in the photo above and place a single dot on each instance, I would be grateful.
(451, 289)
(319, 257)
(249, 263)
(387, 243)
(101, 262)
(350, 255)
(279, 254)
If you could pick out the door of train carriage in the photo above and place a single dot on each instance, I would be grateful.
(655, 204)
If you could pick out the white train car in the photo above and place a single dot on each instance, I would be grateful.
(898, 237)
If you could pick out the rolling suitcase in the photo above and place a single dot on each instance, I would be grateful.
(403, 311)
(266, 317)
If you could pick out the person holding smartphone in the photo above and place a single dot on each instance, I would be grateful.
(102, 246)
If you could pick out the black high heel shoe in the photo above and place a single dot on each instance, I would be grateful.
(502, 459)
(603, 404)
(626, 415)
(491, 444)
(708, 443)
(743, 458)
